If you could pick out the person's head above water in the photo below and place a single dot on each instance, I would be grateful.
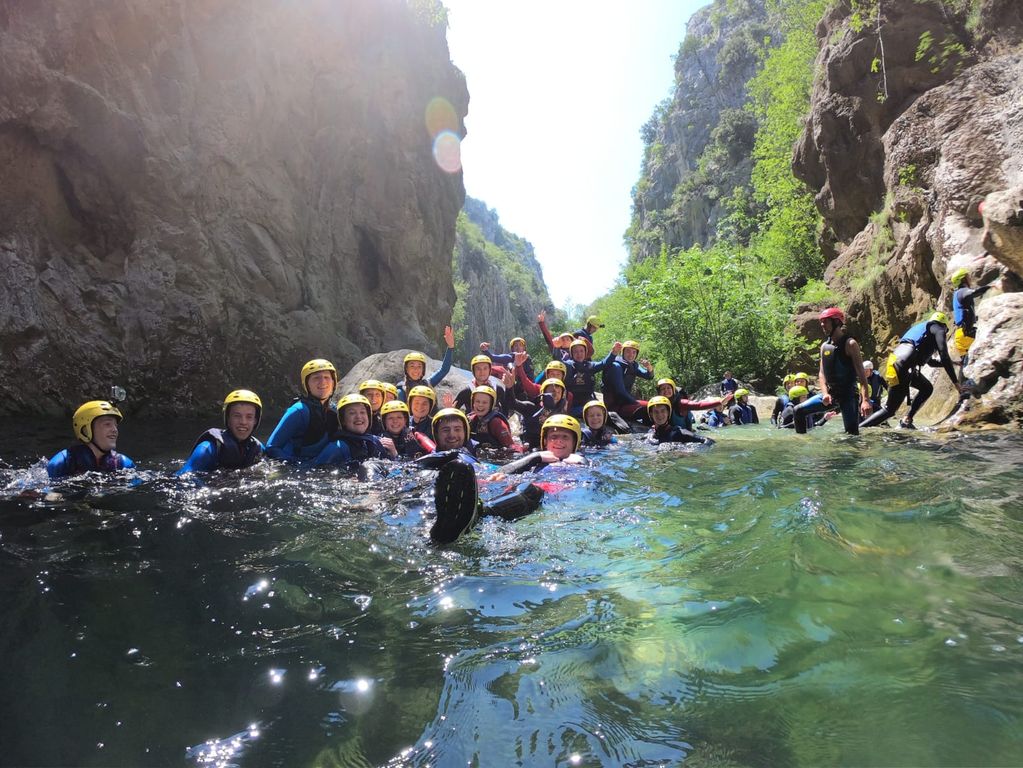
(319, 379)
(394, 415)
(484, 397)
(480, 367)
(242, 410)
(553, 387)
(95, 423)
(421, 401)
(414, 366)
(561, 435)
(659, 410)
(373, 391)
(450, 429)
(355, 414)
(555, 370)
(595, 414)
(666, 387)
(630, 350)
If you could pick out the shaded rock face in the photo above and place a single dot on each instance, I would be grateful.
(203, 195)
(899, 178)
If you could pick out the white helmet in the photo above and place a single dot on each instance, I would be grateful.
(868, 364)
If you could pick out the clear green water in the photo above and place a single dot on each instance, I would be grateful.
(773, 601)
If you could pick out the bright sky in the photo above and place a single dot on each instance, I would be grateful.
(558, 91)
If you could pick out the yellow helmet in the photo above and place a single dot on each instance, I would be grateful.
(389, 389)
(594, 404)
(594, 320)
(657, 400)
(395, 406)
(480, 359)
(564, 421)
(89, 412)
(556, 365)
(550, 383)
(315, 366)
(938, 317)
(956, 278)
(447, 413)
(353, 399)
(579, 341)
(742, 392)
(421, 390)
(371, 384)
(243, 396)
(674, 386)
(630, 344)
(486, 389)
(799, 391)
(801, 375)
(414, 357)
(517, 338)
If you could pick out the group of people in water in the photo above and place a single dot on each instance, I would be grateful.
(559, 410)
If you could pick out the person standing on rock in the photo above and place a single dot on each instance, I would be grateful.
(414, 367)
(235, 446)
(964, 314)
(95, 425)
(915, 349)
(306, 427)
(841, 368)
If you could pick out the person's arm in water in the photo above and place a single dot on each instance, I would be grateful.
(445, 364)
(203, 459)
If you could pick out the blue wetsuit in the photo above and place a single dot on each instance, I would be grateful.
(80, 458)
(350, 448)
(218, 449)
(600, 438)
(303, 432)
(729, 385)
(404, 386)
(581, 380)
(716, 419)
(618, 380)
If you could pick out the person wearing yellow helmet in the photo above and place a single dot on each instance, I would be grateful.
(839, 372)
(559, 347)
(374, 391)
(550, 399)
(481, 368)
(487, 424)
(395, 417)
(307, 426)
(597, 433)
(390, 391)
(663, 431)
(588, 329)
(516, 349)
(353, 442)
(915, 349)
(95, 424)
(964, 314)
(619, 379)
(800, 401)
(235, 445)
(783, 399)
(414, 367)
(682, 406)
(581, 374)
(742, 411)
(422, 404)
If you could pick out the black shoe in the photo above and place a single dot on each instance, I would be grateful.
(906, 424)
(457, 500)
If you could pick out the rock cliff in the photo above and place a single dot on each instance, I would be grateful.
(202, 194)
(917, 117)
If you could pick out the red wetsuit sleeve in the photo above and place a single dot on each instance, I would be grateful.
(500, 431)
(530, 387)
(547, 335)
(698, 405)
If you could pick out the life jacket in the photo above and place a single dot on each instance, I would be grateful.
(230, 453)
(745, 413)
(580, 381)
(322, 421)
(917, 333)
(479, 428)
(838, 365)
(600, 438)
(716, 419)
(362, 447)
(963, 312)
(874, 380)
(82, 459)
(411, 444)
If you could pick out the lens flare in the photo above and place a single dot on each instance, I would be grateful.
(440, 116)
(447, 152)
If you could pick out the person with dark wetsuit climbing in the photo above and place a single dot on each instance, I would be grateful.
(395, 418)
(663, 431)
(741, 411)
(306, 427)
(841, 369)
(95, 424)
(414, 367)
(620, 377)
(915, 349)
(235, 446)
(456, 493)
(353, 443)
(597, 433)
(964, 314)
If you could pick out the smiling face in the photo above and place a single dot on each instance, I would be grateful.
(482, 372)
(578, 353)
(375, 397)
(660, 415)
(595, 417)
(518, 346)
(414, 370)
(394, 423)
(420, 407)
(320, 384)
(104, 433)
(481, 403)
(355, 418)
(666, 390)
(559, 441)
(449, 433)
(241, 420)
(629, 354)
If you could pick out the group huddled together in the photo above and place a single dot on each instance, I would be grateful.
(558, 408)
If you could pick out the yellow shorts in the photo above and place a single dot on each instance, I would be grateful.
(962, 342)
(890, 374)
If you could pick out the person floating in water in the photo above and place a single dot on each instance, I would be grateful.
(916, 348)
(235, 446)
(663, 431)
(597, 433)
(306, 427)
(395, 418)
(742, 411)
(456, 492)
(354, 443)
(95, 425)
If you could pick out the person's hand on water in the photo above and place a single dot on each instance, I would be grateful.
(449, 337)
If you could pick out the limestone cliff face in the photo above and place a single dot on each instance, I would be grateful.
(500, 282)
(199, 195)
(699, 142)
(917, 117)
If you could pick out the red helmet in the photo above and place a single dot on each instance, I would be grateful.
(833, 313)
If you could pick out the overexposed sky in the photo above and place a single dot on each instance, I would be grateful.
(558, 91)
